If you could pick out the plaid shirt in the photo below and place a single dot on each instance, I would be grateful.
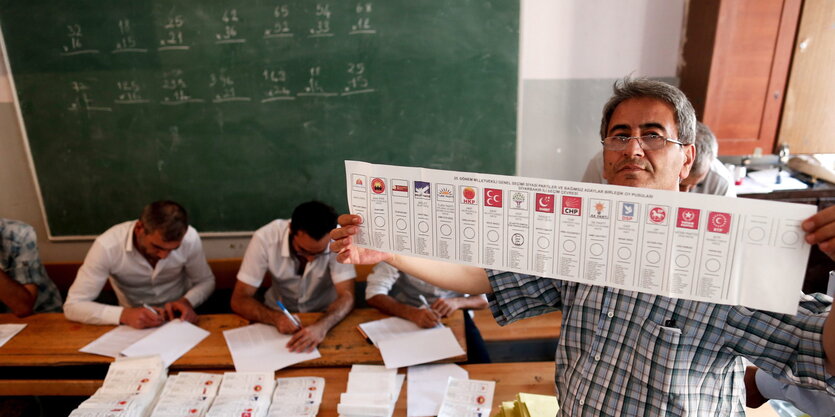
(624, 353)
(19, 259)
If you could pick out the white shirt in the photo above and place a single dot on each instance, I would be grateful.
(314, 290)
(184, 272)
(718, 180)
(388, 280)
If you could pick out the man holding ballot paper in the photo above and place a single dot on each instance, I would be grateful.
(626, 352)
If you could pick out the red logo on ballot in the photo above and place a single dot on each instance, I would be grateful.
(719, 222)
(492, 197)
(571, 205)
(688, 218)
(544, 203)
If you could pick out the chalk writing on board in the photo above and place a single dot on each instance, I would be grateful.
(76, 45)
(281, 25)
(129, 92)
(224, 87)
(314, 87)
(276, 81)
(173, 34)
(176, 89)
(230, 28)
(83, 100)
(127, 41)
(322, 24)
(363, 26)
(357, 83)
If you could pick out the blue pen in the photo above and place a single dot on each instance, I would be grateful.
(428, 307)
(287, 313)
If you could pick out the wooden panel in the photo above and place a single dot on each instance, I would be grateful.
(807, 122)
(546, 326)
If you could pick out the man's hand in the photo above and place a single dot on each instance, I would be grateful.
(343, 243)
(180, 309)
(307, 338)
(445, 306)
(820, 230)
(141, 317)
(284, 324)
(424, 317)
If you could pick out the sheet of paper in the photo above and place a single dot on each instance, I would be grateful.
(385, 328)
(115, 341)
(682, 245)
(259, 346)
(467, 398)
(419, 347)
(170, 341)
(427, 384)
(8, 331)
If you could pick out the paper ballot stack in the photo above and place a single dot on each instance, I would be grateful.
(129, 389)
(297, 397)
(372, 392)
(243, 394)
(467, 398)
(529, 405)
(187, 394)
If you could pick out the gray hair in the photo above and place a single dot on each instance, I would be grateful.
(629, 88)
(706, 149)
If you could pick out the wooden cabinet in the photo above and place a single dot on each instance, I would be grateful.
(735, 62)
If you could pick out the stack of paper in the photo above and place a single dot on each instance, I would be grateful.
(529, 405)
(7, 332)
(297, 397)
(427, 384)
(243, 393)
(187, 394)
(259, 347)
(372, 392)
(467, 397)
(129, 389)
(170, 341)
(403, 343)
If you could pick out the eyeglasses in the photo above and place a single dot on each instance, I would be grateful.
(647, 142)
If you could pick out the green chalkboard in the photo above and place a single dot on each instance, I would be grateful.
(240, 110)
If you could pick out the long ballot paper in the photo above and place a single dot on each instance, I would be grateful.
(259, 347)
(683, 245)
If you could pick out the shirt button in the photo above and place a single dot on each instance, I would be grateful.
(610, 314)
(597, 357)
(582, 401)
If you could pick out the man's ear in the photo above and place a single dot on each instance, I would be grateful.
(689, 157)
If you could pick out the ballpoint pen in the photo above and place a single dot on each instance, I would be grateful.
(287, 313)
(428, 307)
(151, 309)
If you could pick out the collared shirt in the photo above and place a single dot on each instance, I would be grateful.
(184, 273)
(314, 290)
(624, 353)
(20, 260)
(406, 289)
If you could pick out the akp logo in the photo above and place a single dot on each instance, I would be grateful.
(544, 203)
(688, 218)
(599, 209)
(422, 189)
(400, 188)
(445, 192)
(627, 212)
(718, 222)
(571, 205)
(378, 186)
(520, 200)
(468, 195)
(657, 215)
(492, 197)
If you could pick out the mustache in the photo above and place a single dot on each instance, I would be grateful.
(642, 163)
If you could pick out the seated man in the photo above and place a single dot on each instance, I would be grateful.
(707, 176)
(399, 294)
(156, 266)
(24, 286)
(305, 275)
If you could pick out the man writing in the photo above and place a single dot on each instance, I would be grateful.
(619, 353)
(305, 276)
(156, 266)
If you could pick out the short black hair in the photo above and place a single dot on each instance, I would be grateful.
(314, 218)
(167, 216)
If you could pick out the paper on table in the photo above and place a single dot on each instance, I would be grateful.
(378, 330)
(259, 347)
(115, 341)
(7, 331)
(425, 391)
(419, 347)
(170, 341)
(469, 397)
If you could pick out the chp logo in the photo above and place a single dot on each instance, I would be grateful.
(400, 188)
(657, 215)
(599, 209)
(445, 192)
(519, 199)
(628, 212)
(688, 218)
(468, 195)
(718, 222)
(492, 197)
(422, 189)
(572, 206)
(544, 203)
(378, 186)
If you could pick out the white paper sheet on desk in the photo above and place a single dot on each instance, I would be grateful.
(378, 330)
(681, 245)
(8, 331)
(427, 384)
(419, 347)
(115, 341)
(259, 347)
(170, 341)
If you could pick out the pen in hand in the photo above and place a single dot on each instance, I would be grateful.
(428, 307)
(287, 313)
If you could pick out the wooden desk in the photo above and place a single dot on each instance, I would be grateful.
(43, 359)
(546, 326)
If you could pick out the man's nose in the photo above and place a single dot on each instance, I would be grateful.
(633, 147)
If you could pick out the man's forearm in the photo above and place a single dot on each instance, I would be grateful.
(15, 296)
(251, 309)
(390, 306)
(337, 310)
(456, 277)
(473, 302)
